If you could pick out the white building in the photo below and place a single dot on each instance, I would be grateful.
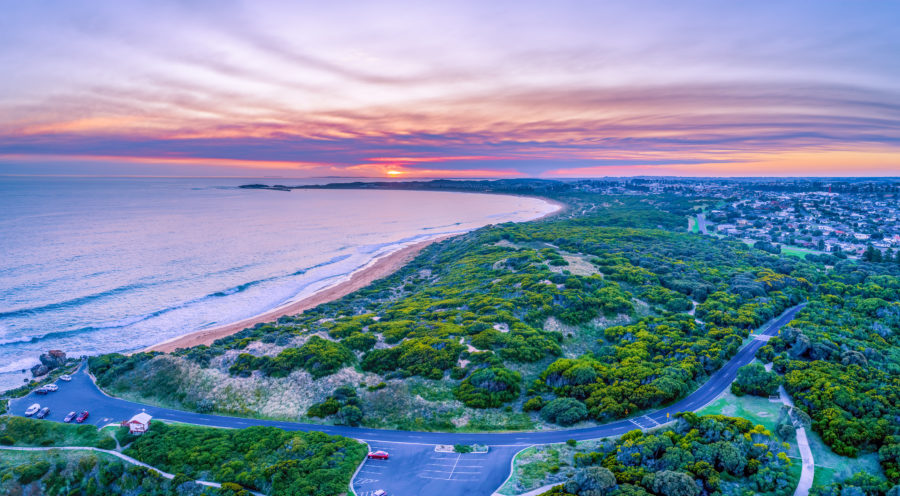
(139, 424)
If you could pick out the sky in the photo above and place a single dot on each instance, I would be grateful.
(450, 89)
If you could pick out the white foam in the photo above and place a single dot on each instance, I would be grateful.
(18, 365)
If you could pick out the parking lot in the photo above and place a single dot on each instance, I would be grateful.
(418, 469)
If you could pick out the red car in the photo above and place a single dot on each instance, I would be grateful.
(378, 455)
(82, 416)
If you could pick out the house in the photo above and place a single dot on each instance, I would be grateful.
(138, 424)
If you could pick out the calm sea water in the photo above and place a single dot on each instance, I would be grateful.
(94, 265)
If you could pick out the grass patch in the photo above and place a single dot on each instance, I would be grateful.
(798, 252)
(831, 467)
(758, 410)
(19, 431)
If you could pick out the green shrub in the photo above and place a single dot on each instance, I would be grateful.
(564, 411)
(264, 459)
(489, 387)
(31, 472)
(533, 404)
(106, 443)
(755, 380)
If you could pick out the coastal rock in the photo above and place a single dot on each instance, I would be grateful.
(53, 359)
(39, 370)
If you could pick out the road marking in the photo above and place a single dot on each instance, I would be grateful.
(454, 467)
(651, 420)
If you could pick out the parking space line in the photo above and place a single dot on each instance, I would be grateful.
(454, 466)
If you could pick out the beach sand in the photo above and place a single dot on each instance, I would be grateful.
(380, 268)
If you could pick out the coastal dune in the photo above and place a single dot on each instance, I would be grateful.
(378, 269)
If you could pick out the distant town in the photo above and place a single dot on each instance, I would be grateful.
(846, 218)
(842, 218)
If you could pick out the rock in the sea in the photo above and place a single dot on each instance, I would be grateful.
(39, 370)
(53, 359)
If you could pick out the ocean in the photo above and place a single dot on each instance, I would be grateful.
(98, 265)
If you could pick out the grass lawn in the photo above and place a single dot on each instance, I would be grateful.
(800, 252)
(831, 467)
(694, 225)
(758, 410)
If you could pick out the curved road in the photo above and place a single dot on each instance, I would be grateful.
(82, 393)
(414, 467)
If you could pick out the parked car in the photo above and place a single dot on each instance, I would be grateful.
(43, 413)
(65, 377)
(32, 409)
(68, 418)
(82, 416)
(380, 492)
(378, 455)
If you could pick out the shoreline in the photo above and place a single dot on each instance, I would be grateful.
(378, 268)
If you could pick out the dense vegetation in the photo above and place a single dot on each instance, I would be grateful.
(58, 473)
(709, 455)
(20, 431)
(596, 314)
(756, 380)
(579, 307)
(264, 459)
(841, 361)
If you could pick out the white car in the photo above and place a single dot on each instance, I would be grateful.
(32, 410)
(65, 377)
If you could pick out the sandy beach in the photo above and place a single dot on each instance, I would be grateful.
(378, 269)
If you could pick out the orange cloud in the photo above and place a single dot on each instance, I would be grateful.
(394, 170)
(222, 162)
(802, 163)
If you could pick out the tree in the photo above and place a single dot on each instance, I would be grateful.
(489, 387)
(564, 411)
(592, 481)
(349, 415)
(670, 483)
(754, 379)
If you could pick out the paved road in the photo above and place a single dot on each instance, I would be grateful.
(701, 223)
(415, 469)
(402, 478)
(82, 393)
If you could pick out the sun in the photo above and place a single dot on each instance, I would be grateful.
(394, 172)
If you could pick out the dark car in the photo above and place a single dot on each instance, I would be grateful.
(43, 413)
(68, 418)
(82, 416)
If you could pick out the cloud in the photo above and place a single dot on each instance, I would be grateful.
(530, 88)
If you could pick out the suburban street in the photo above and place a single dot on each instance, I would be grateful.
(414, 464)
(701, 223)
